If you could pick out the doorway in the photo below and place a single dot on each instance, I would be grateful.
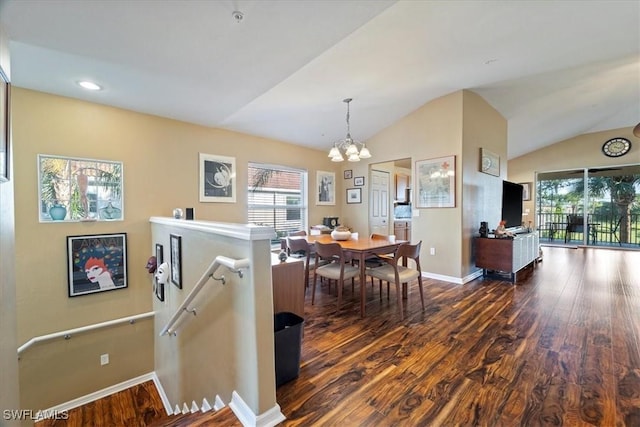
(389, 195)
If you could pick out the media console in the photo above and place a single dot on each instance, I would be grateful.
(506, 255)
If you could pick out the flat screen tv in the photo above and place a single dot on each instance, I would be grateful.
(512, 204)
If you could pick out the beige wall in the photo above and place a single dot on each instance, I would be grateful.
(229, 345)
(160, 159)
(584, 151)
(9, 395)
(456, 124)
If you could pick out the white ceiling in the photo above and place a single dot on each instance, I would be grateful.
(553, 69)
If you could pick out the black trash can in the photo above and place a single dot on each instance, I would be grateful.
(288, 342)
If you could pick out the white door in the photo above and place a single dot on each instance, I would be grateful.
(379, 202)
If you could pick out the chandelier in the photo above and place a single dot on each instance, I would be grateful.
(354, 150)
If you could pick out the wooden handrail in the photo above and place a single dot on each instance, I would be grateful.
(69, 332)
(235, 265)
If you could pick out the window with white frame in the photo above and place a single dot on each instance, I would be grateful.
(277, 198)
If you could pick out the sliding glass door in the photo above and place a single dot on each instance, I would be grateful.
(594, 207)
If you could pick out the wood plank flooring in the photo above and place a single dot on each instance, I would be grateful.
(562, 347)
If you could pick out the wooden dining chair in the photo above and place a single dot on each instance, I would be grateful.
(338, 269)
(300, 248)
(394, 271)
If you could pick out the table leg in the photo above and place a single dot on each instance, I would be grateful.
(363, 279)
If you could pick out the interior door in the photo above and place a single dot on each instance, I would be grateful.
(379, 202)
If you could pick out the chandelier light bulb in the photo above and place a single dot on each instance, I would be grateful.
(348, 145)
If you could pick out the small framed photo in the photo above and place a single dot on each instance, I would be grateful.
(159, 254)
(354, 195)
(157, 286)
(217, 178)
(348, 174)
(96, 263)
(5, 123)
(489, 162)
(526, 190)
(326, 188)
(176, 259)
(358, 181)
(159, 290)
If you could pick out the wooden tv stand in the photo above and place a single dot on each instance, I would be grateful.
(506, 255)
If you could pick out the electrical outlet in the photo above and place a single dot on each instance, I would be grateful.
(432, 251)
(104, 359)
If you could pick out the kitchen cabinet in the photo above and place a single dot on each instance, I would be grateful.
(402, 230)
(402, 185)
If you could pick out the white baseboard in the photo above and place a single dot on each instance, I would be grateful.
(91, 397)
(245, 415)
(451, 279)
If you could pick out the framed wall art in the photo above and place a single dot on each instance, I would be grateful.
(436, 182)
(348, 174)
(157, 286)
(5, 123)
(326, 188)
(176, 259)
(217, 178)
(526, 190)
(358, 181)
(354, 195)
(489, 162)
(96, 263)
(76, 189)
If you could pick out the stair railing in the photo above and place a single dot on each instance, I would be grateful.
(235, 265)
(70, 332)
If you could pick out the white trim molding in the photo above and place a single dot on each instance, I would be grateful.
(92, 397)
(270, 418)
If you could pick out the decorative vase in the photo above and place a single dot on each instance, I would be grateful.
(340, 235)
(283, 256)
(57, 212)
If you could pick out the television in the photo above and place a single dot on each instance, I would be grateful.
(512, 205)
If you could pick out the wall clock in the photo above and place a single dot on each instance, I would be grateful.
(616, 147)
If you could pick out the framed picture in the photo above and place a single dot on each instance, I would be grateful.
(159, 290)
(489, 162)
(348, 174)
(176, 260)
(526, 190)
(358, 181)
(5, 122)
(436, 182)
(96, 263)
(354, 195)
(157, 286)
(326, 188)
(75, 189)
(217, 178)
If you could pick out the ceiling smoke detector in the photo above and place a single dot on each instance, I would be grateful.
(238, 16)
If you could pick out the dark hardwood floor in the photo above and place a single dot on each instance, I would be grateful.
(559, 348)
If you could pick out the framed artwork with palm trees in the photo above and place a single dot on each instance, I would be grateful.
(76, 189)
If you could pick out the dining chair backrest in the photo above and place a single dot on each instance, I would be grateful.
(329, 251)
(299, 247)
(375, 236)
(297, 233)
(409, 251)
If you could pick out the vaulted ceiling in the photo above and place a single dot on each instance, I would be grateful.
(553, 69)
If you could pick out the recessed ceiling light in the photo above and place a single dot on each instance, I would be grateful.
(89, 85)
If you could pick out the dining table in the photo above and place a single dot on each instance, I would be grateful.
(359, 248)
